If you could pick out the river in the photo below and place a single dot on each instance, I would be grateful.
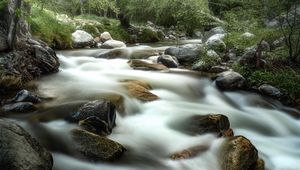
(145, 128)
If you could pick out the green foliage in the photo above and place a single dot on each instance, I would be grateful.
(110, 25)
(149, 35)
(93, 30)
(186, 15)
(287, 79)
(3, 4)
(234, 40)
(45, 27)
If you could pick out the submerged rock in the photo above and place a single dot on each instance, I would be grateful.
(189, 153)
(96, 148)
(82, 39)
(109, 44)
(97, 116)
(19, 151)
(230, 80)
(21, 107)
(144, 65)
(140, 90)
(238, 153)
(201, 124)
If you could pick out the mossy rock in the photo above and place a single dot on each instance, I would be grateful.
(95, 147)
(148, 35)
(92, 29)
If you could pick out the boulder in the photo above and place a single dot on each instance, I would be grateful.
(144, 65)
(216, 43)
(96, 116)
(214, 31)
(30, 58)
(82, 39)
(186, 54)
(19, 151)
(95, 147)
(230, 80)
(168, 61)
(201, 124)
(269, 90)
(21, 107)
(109, 44)
(26, 96)
(238, 153)
(105, 36)
(218, 69)
(139, 90)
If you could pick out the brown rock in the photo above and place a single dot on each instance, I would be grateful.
(238, 153)
(140, 90)
(143, 65)
(189, 153)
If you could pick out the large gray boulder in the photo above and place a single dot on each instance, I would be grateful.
(230, 80)
(19, 151)
(82, 39)
(188, 53)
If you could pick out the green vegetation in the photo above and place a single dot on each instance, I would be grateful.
(46, 27)
(105, 24)
(285, 78)
(186, 15)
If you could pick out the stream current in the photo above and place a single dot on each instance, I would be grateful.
(144, 127)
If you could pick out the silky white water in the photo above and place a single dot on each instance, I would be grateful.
(144, 130)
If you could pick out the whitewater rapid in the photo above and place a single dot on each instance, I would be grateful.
(145, 129)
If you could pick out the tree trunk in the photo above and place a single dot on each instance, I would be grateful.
(124, 20)
(16, 12)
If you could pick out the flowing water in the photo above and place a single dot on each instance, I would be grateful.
(144, 128)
